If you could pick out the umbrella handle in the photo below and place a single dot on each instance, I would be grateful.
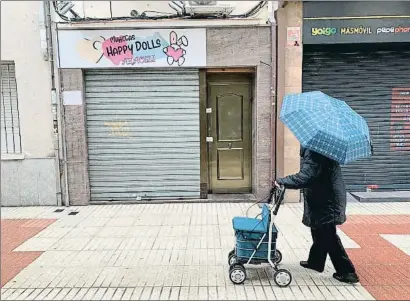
(371, 148)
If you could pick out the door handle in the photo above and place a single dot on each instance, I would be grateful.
(230, 145)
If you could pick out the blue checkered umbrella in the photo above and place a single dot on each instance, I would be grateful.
(327, 126)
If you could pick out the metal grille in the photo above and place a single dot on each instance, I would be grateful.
(10, 122)
(143, 134)
(376, 84)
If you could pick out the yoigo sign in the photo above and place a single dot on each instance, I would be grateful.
(349, 31)
(323, 31)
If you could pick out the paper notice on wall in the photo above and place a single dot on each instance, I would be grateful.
(293, 36)
(400, 120)
(73, 98)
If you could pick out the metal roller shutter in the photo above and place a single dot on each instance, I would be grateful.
(376, 84)
(143, 134)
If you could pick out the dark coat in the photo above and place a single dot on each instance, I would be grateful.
(323, 189)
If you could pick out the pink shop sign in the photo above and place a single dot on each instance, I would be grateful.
(132, 48)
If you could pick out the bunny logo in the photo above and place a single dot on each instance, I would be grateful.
(175, 52)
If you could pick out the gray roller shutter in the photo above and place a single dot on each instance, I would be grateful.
(376, 84)
(143, 134)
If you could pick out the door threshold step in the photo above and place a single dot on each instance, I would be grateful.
(382, 196)
(212, 198)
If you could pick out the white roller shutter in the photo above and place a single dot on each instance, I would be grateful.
(143, 134)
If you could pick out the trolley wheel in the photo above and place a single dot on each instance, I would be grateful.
(232, 258)
(282, 278)
(237, 273)
(278, 256)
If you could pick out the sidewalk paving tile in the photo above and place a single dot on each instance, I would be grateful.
(15, 232)
(179, 252)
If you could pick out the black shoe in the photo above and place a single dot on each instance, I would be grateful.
(350, 278)
(306, 265)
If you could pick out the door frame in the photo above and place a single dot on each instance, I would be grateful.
(238, 75)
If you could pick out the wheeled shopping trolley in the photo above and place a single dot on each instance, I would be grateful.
(255, 242)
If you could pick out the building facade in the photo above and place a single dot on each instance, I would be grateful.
(142, 109)
(28, 152)
(124, 109)
(163, 110)
(359, 52)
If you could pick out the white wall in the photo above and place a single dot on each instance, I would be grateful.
(28, 181)
(20, 42)
(101, 9)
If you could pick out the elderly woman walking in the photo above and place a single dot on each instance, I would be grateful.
(324, 209)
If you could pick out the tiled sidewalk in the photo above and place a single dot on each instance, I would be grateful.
(383, 260)
(179, 251)
(13, 233)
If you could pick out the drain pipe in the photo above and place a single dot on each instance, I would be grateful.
(63, 141)
(67, 194)
(272, 19)
(58, 110)
(275, 6)
(48, 54)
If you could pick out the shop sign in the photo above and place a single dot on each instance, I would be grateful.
(132, 48)
(334, 31)
(400, 120)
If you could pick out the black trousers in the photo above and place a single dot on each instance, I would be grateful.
(326, 241)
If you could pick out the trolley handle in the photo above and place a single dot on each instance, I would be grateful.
(280, 194)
